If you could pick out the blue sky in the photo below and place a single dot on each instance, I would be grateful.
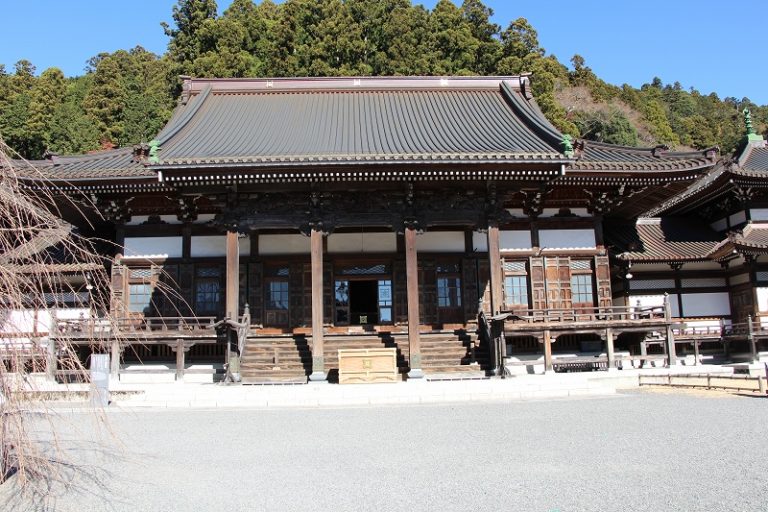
(711, 45)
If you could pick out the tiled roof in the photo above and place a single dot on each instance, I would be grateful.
(349, 121)
(756, 162)
(599, 156)
(115, 163)
(667, 239)
(753, 239)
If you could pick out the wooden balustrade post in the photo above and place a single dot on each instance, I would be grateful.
(671, 352)
(609, 349)
(497, 279)
(51, 360)
(180, 363)
(412, 286)
(751, 339)
(696, 352)
(318, 347)
(114, 359)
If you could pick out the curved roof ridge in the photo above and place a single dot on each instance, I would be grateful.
(185, 115)
(531, 114)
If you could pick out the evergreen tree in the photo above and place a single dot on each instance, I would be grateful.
(46, 97)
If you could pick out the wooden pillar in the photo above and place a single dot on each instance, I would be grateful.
(318, 355)
(609, 349)
(751, 339)
(497, 280)
(180, 360)
(547, 351)
(50, 359)
(233, 275)
(671, 351)
(412, 285)
(114, 360)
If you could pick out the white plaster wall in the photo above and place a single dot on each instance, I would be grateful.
(216, 246)
(762, 300)
(720, 225)
(362, 242)
(738, 218)
(739, 279)
(210, 246)
(509, 240)
(440, 241)
(516, 212)
(479, 241)
(147, 246)
(706, 304)
(514, 240)
(646, 301)
(283, 244)
(23, 320)
(758, 213)
(567, 238)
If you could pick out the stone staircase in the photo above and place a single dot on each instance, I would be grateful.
(288, 358)
(276, 359)
(449, 355)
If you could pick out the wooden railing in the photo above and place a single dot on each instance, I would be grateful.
(586, 314)
(101, 327)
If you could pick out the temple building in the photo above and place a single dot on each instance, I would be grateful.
(443, 217)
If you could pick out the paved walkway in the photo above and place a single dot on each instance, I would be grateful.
(631, 451)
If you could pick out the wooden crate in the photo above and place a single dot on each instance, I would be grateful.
(366, 365)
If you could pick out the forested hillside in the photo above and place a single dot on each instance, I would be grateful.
(126, 96)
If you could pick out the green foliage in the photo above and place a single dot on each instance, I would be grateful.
(612, 127)
(125, 97)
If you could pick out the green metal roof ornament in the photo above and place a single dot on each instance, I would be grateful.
(751, 135)
(154, 147)
(567, 143)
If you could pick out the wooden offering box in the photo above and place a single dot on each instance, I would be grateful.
(366, 365)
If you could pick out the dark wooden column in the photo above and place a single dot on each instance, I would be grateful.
(609, 349)
(318, 355)
(233, 275)
(494, 260)
(412, 285)
(497, 281)
(548, 368)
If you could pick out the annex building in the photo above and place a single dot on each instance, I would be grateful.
(444, 218)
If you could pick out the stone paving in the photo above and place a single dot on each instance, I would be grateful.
(630, 451)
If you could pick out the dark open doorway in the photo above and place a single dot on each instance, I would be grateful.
(363, 302)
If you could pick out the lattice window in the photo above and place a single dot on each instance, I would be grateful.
(516, 290)
(582, 291)
(448, 284)
(385, 301)
(208, 289)
(514, 266)
(365, 270)
(277, 295)
(652, 284)
(141, 273)
(581, 265)
(139, 297)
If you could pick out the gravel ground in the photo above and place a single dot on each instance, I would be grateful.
(639, 451)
